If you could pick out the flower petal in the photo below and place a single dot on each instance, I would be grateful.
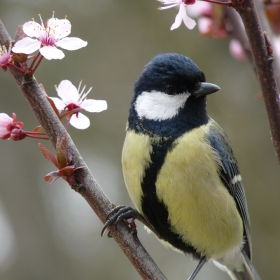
(71, 43)
(32, 29)
(182, 16)
(189, 22)
(62, 27)
(5, 120)
(170, 2)
(94, 106)
(236, 50)
(201, 8)
(26, 45)
(68, 92)
(82, 122)
(168, 7)
(59, 104)
(52, 23)
(179, 17)
(50, 52)
(4, 132)
(205, 25)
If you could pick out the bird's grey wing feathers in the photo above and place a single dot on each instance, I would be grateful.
(229, 174)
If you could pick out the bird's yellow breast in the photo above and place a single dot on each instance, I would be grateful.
(200, 208)
(135, 159)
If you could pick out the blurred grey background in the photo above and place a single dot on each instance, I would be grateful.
(49, 231)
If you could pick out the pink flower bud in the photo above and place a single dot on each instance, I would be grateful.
(17, 134)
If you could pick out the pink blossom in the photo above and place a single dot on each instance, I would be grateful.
(236, 50)
(182, 14)
(47, 38)
(210, 20)
(205, 25)
(201, 9)
(74, 99)
(5, 57)
(10, 129)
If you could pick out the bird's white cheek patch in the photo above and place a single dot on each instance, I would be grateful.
(156, 105)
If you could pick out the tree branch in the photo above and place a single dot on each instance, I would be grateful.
(264, 68)
(84, 182)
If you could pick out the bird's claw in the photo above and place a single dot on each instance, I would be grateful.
(118, 214)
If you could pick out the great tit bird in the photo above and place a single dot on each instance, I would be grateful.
(180, 170)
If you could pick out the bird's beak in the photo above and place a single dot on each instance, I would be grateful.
(205, 89)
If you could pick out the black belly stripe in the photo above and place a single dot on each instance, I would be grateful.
(153, 209)
(156, 211)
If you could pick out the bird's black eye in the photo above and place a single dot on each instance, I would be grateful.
(169, 89)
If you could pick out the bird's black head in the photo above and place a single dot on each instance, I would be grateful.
(169, 73)
(171, 89)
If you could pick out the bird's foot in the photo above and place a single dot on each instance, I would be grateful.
(120, 213)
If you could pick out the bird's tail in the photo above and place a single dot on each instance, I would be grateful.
(249, 272)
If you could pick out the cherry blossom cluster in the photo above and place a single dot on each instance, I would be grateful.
(71, 101)
(43, 37)
(212, 22)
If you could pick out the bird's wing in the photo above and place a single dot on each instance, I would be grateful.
(230, 176)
